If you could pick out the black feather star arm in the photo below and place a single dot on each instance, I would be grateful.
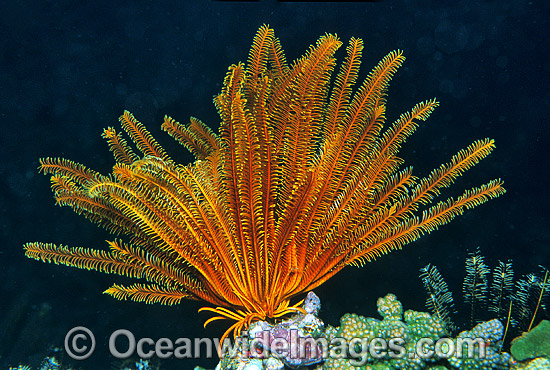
(502, 288)
(439, 299)
(475, 286)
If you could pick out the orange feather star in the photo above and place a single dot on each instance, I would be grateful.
(303, 180)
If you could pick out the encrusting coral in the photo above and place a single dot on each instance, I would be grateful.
(492, 333)
(412, 327)
(535, 343)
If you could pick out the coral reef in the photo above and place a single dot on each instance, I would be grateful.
(409, 327)
(423, 342)
(400, 340)
(492, 333)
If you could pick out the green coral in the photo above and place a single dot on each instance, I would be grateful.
(490, 333)
(535, 343)
(409, 329)
(404, 329)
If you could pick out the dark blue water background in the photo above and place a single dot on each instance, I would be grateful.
(68, 69)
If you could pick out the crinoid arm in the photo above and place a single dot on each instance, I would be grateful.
(502, 288)
(439, 298)
(243, 319)
(475, 286)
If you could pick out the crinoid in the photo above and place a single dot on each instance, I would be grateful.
(302, 180)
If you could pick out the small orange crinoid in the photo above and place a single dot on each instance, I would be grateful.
(302, 180)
